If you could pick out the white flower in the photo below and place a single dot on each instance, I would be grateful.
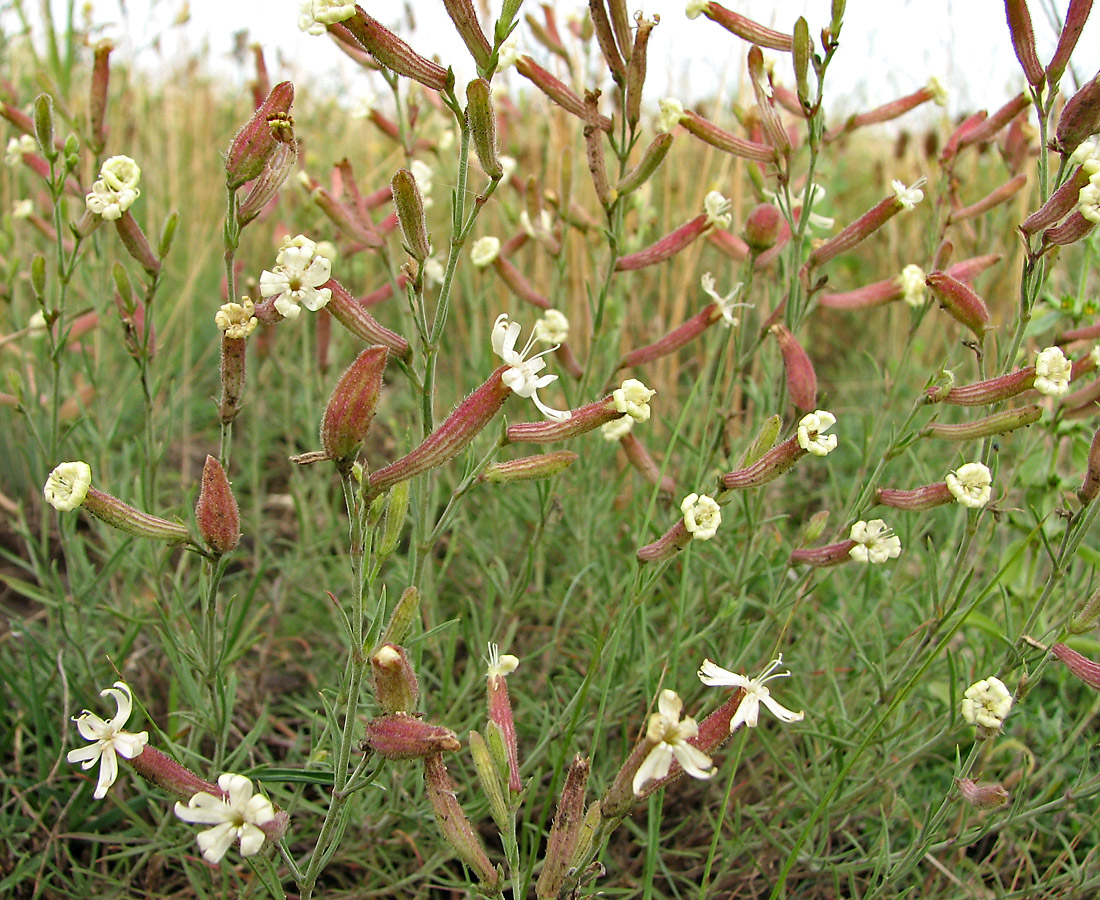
(552, 328)
(484, 250)
(726, 306)
(811, 433)
(1052, 372)
(632, 398)
(67, 485)
(235, 320)
(422, 174)
(327, 249)
(108, 738)
(1086, 150)
(314, 15)
(970, 484)
(364, 106)
(717, 209)
(937, 90)
(671, 734)
(617, 428)
(702, 516)
(671, 111)
(17, 148)
(875, 542)
(508, 54)
(501, 664)
(22, 209)
(1088, 202)
(910, 196)
(237, 817)
(433, 272)
(108, 203)
(508, 164)
(120, 173)
(299, 272)
(756, 692)
(523, 377)
(695, 8)
(546, 223)
(986, 703)
(911, 281)
(1094, 355)
(36, 324)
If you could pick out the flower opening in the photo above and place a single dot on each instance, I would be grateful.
(970, 484)
(702, 516)
(756, 692)
(811, 433)
(235, 817)
(108, 738)
(875, 542)
(67, 485)
(1052, 372)
(296, 279)
(670, 735)
(522, 377)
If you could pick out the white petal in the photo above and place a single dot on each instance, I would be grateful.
(715, 676)
(108, 772)
(130, 745)
(238, 787)
(214, 842)
(259, 810)
(694, 761)
(654, 766)
(204, 809)
(252, 839)
(318, 272)
(748, 713)
(314, 299)
(123, 705)
(287, 307)
(780, 711)
(92, 727)
(86, 755)
(558, 415)
(670, 705)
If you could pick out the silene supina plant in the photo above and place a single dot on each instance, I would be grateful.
(503, 352)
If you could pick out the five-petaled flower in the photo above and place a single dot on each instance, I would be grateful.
(912, 283)
(523, 377)
(756, 692)
(986, 703)
(875, 542)
(970, 484)
(726, 305)
(17, 148)
(910, 196)
(702, 516)
(299, 272)
(314, 15)
(235, 817)
(1052, 372)
(552, 328)
(671, 112)
(670, 734)
(235, 320)
(717, 208)
(67, 485)
(108, 738)
(484, 250)
(811, 433)
(117, 188)
(632, 397)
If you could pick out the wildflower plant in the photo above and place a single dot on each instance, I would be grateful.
(322, 519)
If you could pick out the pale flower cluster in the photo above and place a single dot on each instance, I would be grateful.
(718, 210)
(1052, 372)
(522, 376)
(236, 817)
(670, 735)
(986, 703)
(912, 284)
(632, 398)
(235, 320)
(875, 542)
(910, 196)
(670, 111)
(484, 250)
(17, 148)
(756, 692)
(617, 429)
(116, 190)
(811, 433)
(67, 485)
(726, 304)
(702, 516)
(970, 484)
(552, 328)
(108, 739)
(314, 15)
(295, 281)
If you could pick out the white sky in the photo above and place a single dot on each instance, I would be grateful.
(888, 47)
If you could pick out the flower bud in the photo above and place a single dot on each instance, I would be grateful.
(216, 511)
(461, 427)
(490, 777)
(518, 285)
(1076, 16)
(767, 468)
(866, 297)
(988, 128)
(529, 468)
(393, 53)
(998, 423)
(500, 710)
(410, 215)
(133, 239)
(992, 390)
(397, 505)
(351, 408)
(652, 157)
(605, 37)
(97, 102)
(636, 70)
(394, 681)
(464, 17)
(1060, 203)
(1081, 666)
(253, 145)
(356, 227)
(1084, 620)
(747, 29)
(1074, 228)
(401, 736)
(762, 227)
(593, 142)
(960, 301)
(483, 127)
(348, 312)
(566, 830)
(802, 47)
(1023, 40)
(982, 794)
(680, 336)
(43, 126)
(1080, 118)
(763, 442)
(454, 825)
(801, 378)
